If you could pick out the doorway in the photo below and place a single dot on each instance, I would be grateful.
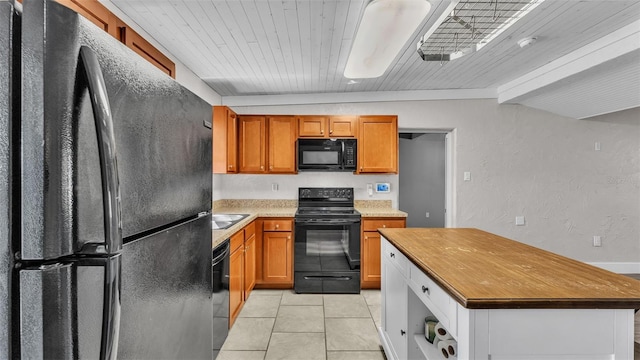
(423, 178)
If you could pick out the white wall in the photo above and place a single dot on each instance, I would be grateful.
(183, 74)
(522, 161)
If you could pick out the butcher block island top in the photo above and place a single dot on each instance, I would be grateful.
(481, 270)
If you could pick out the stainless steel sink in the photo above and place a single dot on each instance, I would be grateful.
(228, 217)
(225, 221)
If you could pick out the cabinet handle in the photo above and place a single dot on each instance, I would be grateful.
(330, 131)
(261, 167)
(384, 226)
(271, 167)
(392, 255)
(288, 237)
(230, 166)
(402, 332)
(277, 226)
(425, 289)
(321, 131)
(366, 238)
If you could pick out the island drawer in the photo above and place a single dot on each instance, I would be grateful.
(434, 297)
(277, 225)
(395, 257)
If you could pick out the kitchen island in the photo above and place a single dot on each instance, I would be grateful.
(500, 299)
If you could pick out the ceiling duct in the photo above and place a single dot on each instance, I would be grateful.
(471, 25)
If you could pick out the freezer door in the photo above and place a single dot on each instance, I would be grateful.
(70, 310)
(167, 310)
(161, 145)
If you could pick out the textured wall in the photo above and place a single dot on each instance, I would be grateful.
(522, 161)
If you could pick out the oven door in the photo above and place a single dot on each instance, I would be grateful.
(327, 256)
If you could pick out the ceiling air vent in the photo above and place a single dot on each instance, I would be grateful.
(470, 26)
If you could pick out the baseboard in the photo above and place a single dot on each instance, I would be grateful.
(619, 267)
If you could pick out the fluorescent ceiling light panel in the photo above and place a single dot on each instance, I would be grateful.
(385, 28)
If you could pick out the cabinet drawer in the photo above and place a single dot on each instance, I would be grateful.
(249, 230)
(237, 240)
(392, 255)
(277, 225)
(434, 297)
(373, 225)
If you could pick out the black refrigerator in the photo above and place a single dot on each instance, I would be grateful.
(105, 197)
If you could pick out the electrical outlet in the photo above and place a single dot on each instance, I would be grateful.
(274, 187)
(427, 214)
(520, 220)
(597, 241)
(467, 176)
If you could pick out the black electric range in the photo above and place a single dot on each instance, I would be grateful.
(327, 242)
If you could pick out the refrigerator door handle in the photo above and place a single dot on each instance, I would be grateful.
(107, 154)
(112, 309)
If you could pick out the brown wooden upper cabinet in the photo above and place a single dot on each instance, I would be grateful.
(327, 126)
(225, 140)
(253, 144)
(378, 144)
(106, 20)
(283, 132)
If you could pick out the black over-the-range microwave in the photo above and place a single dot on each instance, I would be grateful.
(327, 154)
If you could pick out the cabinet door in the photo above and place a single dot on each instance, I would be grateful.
(277, 257)
(343, 126)
(225, 140)
(370, 264)
(313, 126)
(395, 309)
(232, 142)
(283, 132)
(252, 138)
(249, 265)
(378, 144)
(236, 298)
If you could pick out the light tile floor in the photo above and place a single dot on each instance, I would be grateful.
(280, 324)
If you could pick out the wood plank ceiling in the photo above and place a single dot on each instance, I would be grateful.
(265, 47)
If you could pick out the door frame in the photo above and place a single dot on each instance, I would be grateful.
(450, 170)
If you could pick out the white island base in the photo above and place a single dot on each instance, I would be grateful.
(409, 296)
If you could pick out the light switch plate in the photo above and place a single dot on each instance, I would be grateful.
(520, 220)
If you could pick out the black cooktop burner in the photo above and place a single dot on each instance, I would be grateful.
(326, 202)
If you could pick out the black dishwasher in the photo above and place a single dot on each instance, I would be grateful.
(220, 296)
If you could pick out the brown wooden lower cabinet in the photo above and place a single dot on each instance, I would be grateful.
(242, 269)
(370, 269)
(249, 262)
(236, 272)
(274, 253)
